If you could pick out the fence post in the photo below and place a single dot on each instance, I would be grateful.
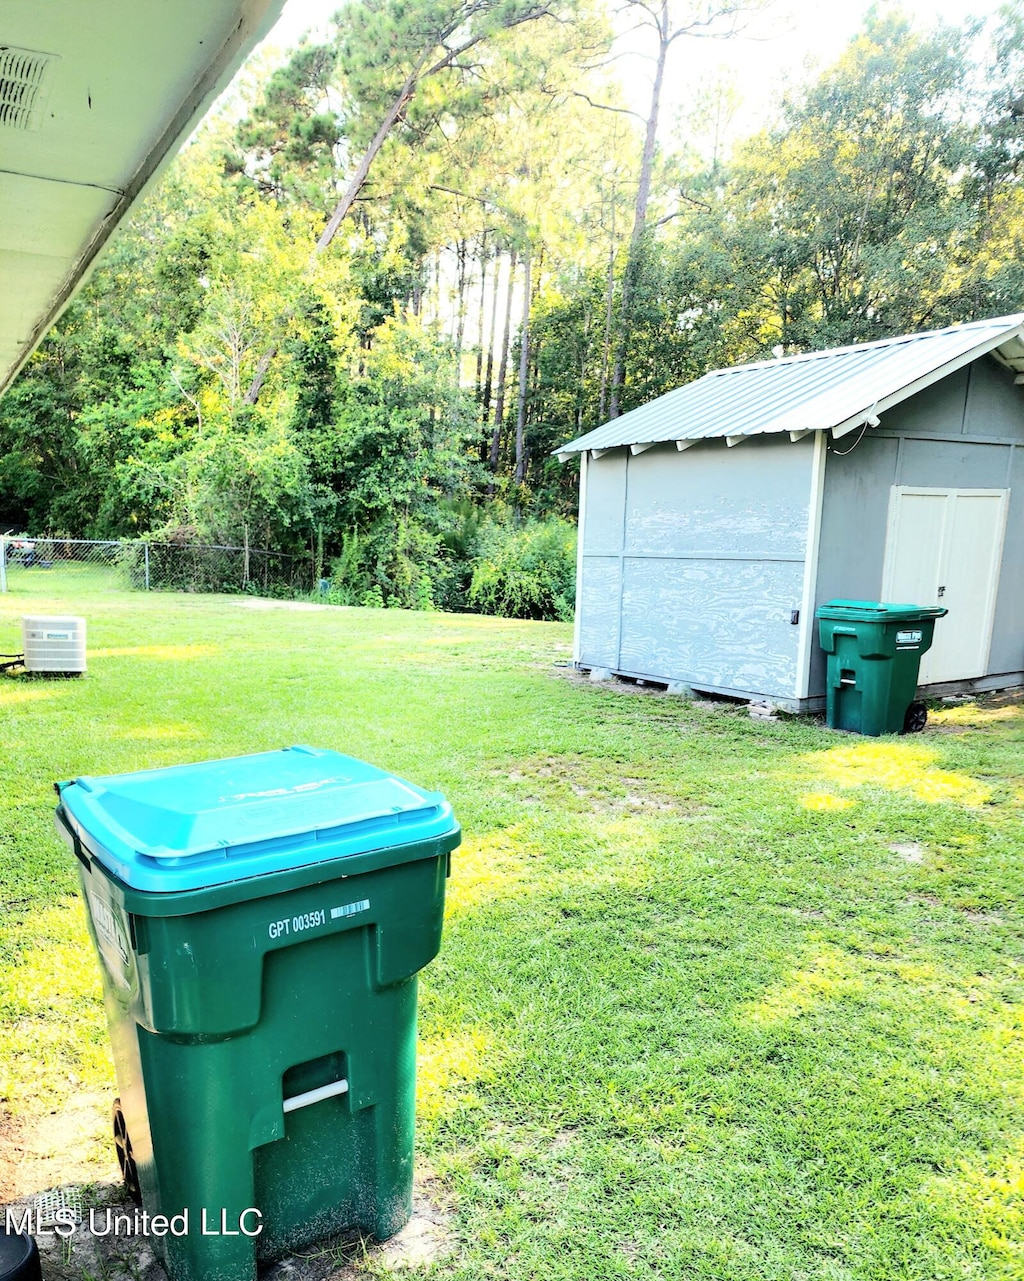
(146, 546)
(3, 562)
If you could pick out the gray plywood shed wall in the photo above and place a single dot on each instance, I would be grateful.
(693, 563)
(703, 564)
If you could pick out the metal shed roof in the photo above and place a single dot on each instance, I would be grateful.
(838, 390)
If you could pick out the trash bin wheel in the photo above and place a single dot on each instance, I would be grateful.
(125, 1159)
(915, 719)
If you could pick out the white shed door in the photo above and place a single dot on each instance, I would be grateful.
(944, 547)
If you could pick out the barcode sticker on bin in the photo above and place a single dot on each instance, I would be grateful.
(349, 909)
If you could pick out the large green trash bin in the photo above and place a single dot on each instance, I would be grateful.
(260, 923)
(874, 655)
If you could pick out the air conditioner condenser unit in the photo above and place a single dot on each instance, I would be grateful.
(54, 644)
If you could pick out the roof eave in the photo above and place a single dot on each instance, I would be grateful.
(255, 19)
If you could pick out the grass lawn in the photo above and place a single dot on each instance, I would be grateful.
(63, 583)
(718, 998)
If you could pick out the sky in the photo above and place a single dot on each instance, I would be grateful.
(795, 35)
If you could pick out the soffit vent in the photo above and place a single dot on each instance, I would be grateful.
(24, 87)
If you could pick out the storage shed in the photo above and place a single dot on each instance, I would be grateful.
(715, 519)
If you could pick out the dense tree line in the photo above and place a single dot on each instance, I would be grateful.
(354, 320)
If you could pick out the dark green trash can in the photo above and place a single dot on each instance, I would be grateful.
(874, 655)
(260, 923)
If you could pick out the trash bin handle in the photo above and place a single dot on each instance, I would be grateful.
(75, 843)
(314, 1096)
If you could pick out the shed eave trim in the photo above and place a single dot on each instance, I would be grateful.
(862, 416)
(851, 424)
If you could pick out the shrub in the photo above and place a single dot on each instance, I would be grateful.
(349, 580)
(386, 566)
(526, 572)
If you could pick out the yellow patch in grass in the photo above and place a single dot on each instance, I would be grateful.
(444, 1063)
(825, 801)
(20, 693)
(899, 767)
(992, 1200)
(485, 868)
(168, 652)
(828, 975)
(972, 714)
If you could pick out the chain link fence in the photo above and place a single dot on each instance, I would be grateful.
(69, 566)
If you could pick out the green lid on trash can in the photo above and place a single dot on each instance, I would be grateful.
(192, 826)
(873, 611)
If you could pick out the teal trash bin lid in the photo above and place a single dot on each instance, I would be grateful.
(872, 611)
(192, 826)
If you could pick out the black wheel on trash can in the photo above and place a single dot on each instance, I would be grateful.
(125, 1159)
(915, 719)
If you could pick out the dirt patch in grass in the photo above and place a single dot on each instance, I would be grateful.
(909, 851)
(61, 1148)
(596, 785)
(424, 1239)
(974, 915)
(627, 685)
(804, 913)
(928, 900)
(564, 1138)
(983, 918)
(575, 677)
(973, 715)
(624, 685)
(9, 1144)
(255, 602)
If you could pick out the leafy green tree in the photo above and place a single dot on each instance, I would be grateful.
(287, 143)
(401, 63)
(1001, 149)
(848, 222)
(79, 411)
(403, 429)
(244, 482)
(45, 482)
